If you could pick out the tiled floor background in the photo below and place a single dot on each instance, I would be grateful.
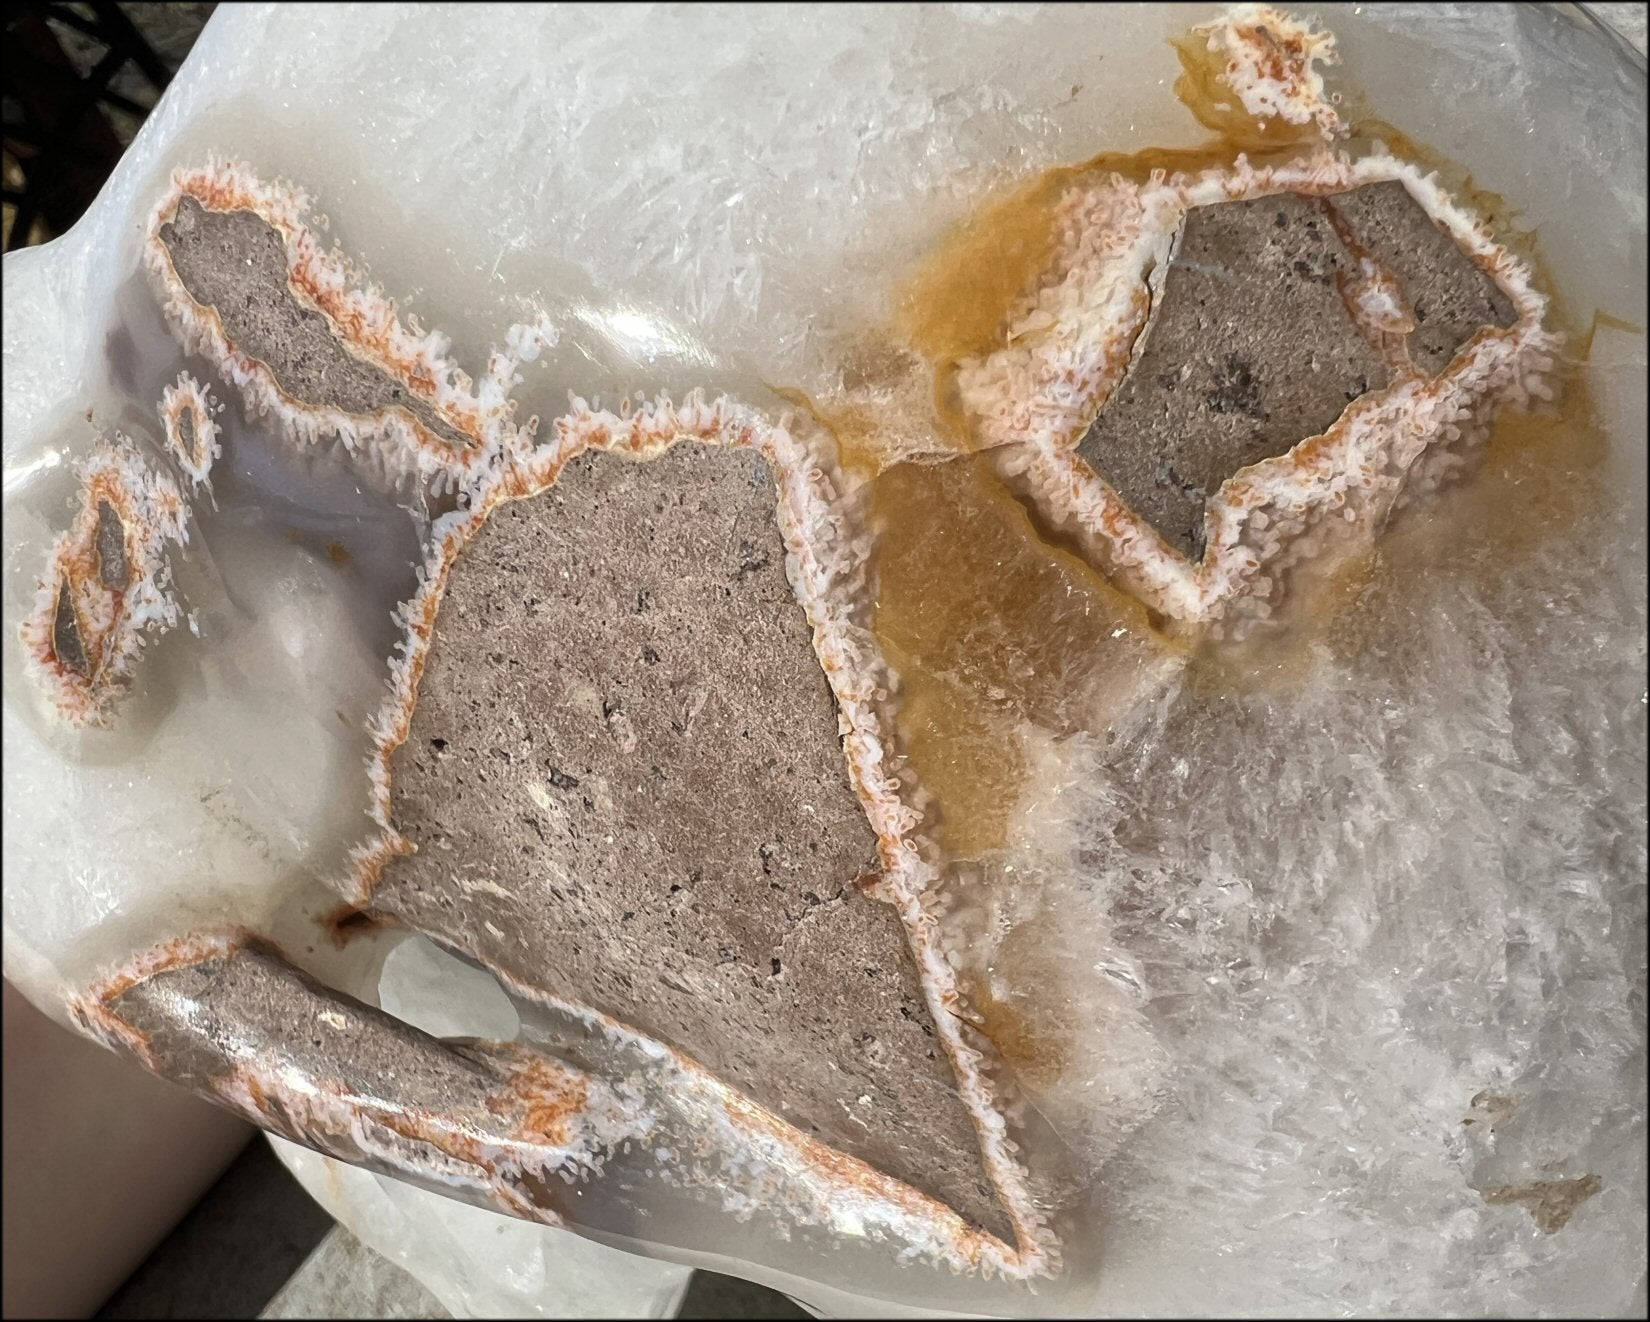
(256, 1245)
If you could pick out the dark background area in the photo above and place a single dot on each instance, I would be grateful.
(79, 81)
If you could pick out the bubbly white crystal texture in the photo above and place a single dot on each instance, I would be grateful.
(1269, 60)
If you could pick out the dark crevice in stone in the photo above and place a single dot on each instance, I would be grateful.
(112, 566)
(66, 642)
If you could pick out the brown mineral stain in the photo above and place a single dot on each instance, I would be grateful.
(1579, 345)
(856, 428)
(346, 922)
(965, 754)
(1491, 1109)
(550, 1100)
(1201, 90)
(989, 627)
(1031, 1045)
(1537, 483)
(955, 304)
(1539, 480)
(1550, 1203)
(336, 552)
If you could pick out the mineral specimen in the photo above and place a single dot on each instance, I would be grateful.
(107, 583)
(845, 826)
(624, 759)
(1261, 335)
(1263, 375)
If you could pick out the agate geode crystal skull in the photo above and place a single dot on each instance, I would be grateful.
(806, 864)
